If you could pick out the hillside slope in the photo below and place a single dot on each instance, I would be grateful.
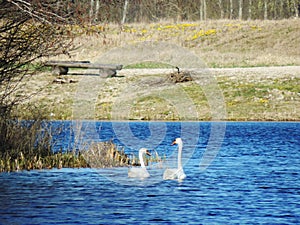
(220, 43)
(258, 92)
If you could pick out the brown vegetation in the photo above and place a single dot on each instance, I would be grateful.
(218, 43)
(105, 154)
(33, 31)
(116, 11)
(179, 76)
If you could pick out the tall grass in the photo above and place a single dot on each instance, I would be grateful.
(27, 145)
(23, 143)
(105, 154)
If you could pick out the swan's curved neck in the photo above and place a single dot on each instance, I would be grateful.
(141, 159)
(179, 155)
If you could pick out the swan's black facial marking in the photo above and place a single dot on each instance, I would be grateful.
(174, 142)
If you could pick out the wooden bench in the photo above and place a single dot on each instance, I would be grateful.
(62, 67)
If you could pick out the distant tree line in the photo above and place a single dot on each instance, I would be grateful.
(120, 11)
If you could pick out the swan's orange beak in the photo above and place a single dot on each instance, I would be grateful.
(148, 153)
(174, 142)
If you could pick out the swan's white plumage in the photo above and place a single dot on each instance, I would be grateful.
(136, 172)
(173, 174)
(140, 172)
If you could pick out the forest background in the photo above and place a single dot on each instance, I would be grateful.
(129, 11)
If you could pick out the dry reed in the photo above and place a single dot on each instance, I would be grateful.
(105, 154)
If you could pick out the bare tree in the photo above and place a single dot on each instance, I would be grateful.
(281, 9)
(146, 10)
(240, 9)
(296, 8)
(276, 8)
(250, 10)
(124, 11)
(221, 9)
(231, 9)
(92, 10)
(28, 31)
(97, 9)
(265, 9)
(202, 9)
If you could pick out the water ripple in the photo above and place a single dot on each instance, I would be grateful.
(254, 179)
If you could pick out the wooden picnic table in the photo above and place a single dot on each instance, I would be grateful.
(62, 67)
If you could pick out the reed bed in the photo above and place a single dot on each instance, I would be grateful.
(57, 160)
(105, 154)
(28, 145)
(148, 160)
(99, 155)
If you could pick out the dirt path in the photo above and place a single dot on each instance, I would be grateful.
(277, 71)
(146, 92)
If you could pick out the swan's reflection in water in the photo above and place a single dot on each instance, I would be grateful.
(120, 175)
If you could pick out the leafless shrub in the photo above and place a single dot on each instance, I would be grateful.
(29, 32)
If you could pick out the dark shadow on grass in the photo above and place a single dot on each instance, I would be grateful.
(91, 74)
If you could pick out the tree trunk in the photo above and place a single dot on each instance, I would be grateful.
(266, 9)
(124, 12)
(202, 9)
(296, 6)
(141, 14)
(273, 6)
(97, 10)
(250, 10)
(221, 9)
(240, 9)
(281, 10)
(92, 10)
(231, 10)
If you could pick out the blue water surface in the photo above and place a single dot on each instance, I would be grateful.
(254, 178)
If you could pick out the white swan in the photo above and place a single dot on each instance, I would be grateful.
(140, 172)
(172, 174)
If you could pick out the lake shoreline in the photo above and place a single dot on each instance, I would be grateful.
(247, 94)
